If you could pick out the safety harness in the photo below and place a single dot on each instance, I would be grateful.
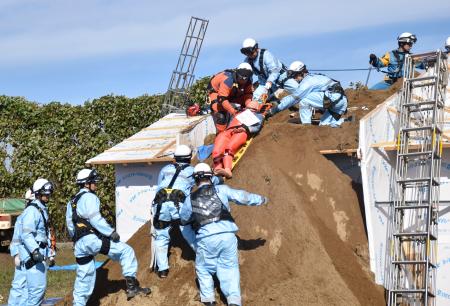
(168, 194)
(83, 228)
(393, 76)
(207, 207)
(261, 66)
(43, 245)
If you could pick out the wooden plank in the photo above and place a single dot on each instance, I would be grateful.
(130, 161)
(343, 151)
(149, 138)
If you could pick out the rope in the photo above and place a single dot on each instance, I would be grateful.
(348, 69)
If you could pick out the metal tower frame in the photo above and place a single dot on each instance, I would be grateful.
(416, 186)
(183, 75)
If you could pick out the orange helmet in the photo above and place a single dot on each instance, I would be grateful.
(253, 105)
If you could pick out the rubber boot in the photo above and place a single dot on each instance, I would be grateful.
(133, 288)
(163, 273)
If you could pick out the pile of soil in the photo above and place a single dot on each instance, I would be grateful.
(308, 246)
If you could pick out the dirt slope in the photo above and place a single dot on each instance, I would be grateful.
(306, 247)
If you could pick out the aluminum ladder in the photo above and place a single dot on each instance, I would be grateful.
(412, 229)
(182, 78)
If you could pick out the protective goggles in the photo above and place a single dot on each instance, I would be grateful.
(202, 174)
(93, 177)
(47, 189)
(247, 51)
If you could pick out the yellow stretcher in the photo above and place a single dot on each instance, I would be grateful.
(241, 152)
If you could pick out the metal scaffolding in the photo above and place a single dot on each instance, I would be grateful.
(416, 186)
(183, 75)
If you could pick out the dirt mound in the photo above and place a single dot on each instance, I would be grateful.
(306, 247)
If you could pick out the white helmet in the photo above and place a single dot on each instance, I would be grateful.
(407, 37)
(202, 170)
(29, 196)
(42, 187)
(183, 153)
(296, 66)
(244, 72)
(85, 176)
(245, 66)
(249, 45)
(447, 42)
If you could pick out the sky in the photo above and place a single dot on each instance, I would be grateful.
(74, 51)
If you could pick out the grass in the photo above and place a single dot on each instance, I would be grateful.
(59, 283)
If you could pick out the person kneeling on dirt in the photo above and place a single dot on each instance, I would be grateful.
(208, 210)
(228, 143)
(229, 91)
(92, 235)
(313, 91)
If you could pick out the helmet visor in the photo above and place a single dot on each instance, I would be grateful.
(47, 189)
(93, 177)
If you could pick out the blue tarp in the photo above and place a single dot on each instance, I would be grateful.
(73, 267)
(203, 152)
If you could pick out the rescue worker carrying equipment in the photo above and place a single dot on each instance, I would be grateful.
(91, 235)
(208, 210)
(394, 61)
(34, 241)
(228, 143)
(174, 184)
(265, 66)
(313, 91)
(229, 91)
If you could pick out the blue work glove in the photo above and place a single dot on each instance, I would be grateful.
(115, 237)
(265, 200)
(37, 256)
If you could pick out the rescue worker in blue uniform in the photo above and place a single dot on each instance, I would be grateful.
(18, 293)
(174, 183)
(91, 235)
(313, 91)
(394, 61)
(208, 210)
(34, 246)
(265, 66)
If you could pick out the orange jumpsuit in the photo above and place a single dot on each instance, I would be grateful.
(228, 143)
(223, 93)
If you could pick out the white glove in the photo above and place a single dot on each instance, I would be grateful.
(17, 260)
(268, 85)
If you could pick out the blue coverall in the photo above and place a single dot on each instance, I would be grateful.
(169, 212)
(33, 235)
(217, 251)
(18, 293)
(272, 69)
(310, 92)
(88, 207)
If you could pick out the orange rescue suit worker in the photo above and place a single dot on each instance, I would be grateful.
(228, 143)
(229, 91)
